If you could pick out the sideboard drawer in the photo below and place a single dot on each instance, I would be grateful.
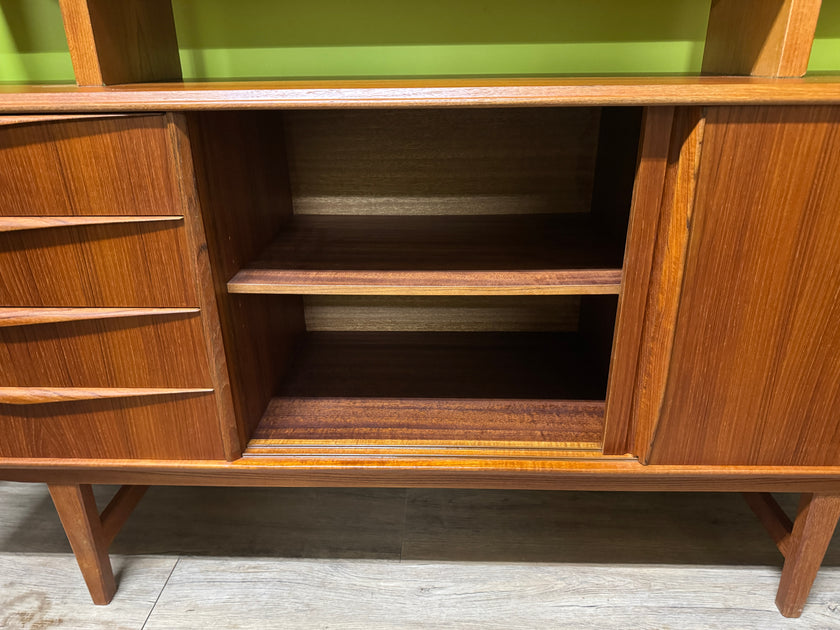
(177, 425)
(102, 348)
(83, 165)
(140, 263)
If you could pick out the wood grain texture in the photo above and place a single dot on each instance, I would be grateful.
(118, 510)
(47, 589)
(350, 313)
(184, 173)
(35, 316)
(568, 451)
(768, 38)
(135, 265)
(324, 282)
(36, 119)
(666, 281)
(760, 291)
(638, 260)
(162, 351)
(79, 168)
(443, 161)
(428, 421)
(772, 517)
(583, 473)
(435, 255)
(242, 186)
(76, 508)
(815, 522)
(52, 395)
(167, 425)
(598, 91)
(121, 42)
(492, 595)
(13, 224)
(445, 365)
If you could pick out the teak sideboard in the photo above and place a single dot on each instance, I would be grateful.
(570, 283)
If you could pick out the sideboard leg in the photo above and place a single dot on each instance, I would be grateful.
(79, 516)
(812, 531)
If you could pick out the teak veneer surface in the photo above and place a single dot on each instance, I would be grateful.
(760, 37)
(158, 351)
(34, 316)
(754, 378)
(423, 313)
(15, 224)
(435, 255)
(115, 265)
(24, 396)
(648, 189)
(120, 42)
(666, 278)
(479, 161)
(87, 166)
(428, 421)
(165, 426)
(451, 471)
(242, 189)
(684, 90)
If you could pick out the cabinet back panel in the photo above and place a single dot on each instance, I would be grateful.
(441, 314)
(755, 371)
(445, 161)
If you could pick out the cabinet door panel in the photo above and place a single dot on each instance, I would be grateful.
(754, 376)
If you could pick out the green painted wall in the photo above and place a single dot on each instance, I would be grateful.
(334, 38)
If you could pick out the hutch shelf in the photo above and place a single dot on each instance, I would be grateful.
(560, 283)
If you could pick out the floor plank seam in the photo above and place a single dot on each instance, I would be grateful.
(157, 599)
(404, 519)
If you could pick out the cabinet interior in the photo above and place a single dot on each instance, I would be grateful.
(434, 277)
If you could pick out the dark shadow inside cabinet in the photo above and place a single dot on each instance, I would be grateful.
(417, 277)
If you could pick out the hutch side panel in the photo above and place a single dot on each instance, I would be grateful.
(755, 372)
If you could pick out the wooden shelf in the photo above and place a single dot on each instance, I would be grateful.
(569, 91)
(436, 255)
(355, 425)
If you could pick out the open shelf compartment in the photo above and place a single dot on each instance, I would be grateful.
(395, 280)
(530, 373)
(448, 202)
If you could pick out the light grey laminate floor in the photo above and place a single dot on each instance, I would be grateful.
(368, 559)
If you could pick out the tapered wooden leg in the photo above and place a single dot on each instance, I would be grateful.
(79, 516)
(812, 530)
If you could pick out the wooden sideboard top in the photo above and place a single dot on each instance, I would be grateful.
(571, 91)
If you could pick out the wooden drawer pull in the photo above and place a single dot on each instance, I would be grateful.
(29, 316)
(13, 224)
(41, 395)
(25, 119)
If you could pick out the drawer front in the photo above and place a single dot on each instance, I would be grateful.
(142, 263)
(90, 165)
(167, 426)
(103, 348)
(107, 309)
